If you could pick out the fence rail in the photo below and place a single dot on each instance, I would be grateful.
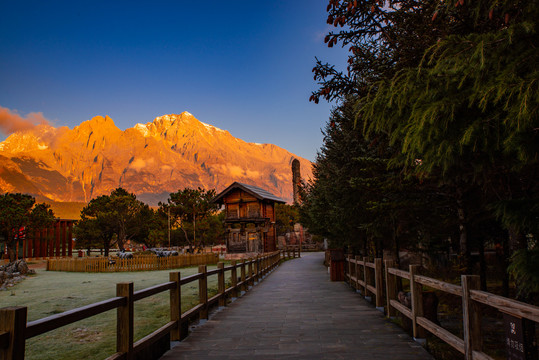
(14, 330)
(368, 278)
(137, 263)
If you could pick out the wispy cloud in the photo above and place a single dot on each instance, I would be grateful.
(11, 121)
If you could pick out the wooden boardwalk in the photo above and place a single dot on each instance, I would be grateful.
(297, 313)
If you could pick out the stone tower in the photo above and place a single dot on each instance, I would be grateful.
(296, 179)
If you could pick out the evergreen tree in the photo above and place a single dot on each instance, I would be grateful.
(451, 90)
(116, 217)
(20, 211)
(187, 207)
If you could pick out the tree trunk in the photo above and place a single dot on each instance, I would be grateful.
(505, 263)
(517, 241)
(106, 245)
(11, 253)
(121, 238)
(188, 241)
(482, 265)
(463, 232)
(10, 245)
(396, 243)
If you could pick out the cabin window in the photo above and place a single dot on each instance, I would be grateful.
(232, 211)
(253, 210)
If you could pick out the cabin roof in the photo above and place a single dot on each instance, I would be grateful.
(255, 191)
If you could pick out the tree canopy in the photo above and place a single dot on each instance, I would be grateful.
(117, 217)
(187, 207)
(435, 134)
(20, 211)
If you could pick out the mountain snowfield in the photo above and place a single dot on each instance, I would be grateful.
(151, 160)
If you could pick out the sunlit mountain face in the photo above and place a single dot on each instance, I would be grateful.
(151, 160)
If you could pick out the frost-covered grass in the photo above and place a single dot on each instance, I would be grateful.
(53, 292)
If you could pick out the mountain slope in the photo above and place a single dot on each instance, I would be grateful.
(150, 160)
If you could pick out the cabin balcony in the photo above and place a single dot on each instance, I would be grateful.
(249, 217)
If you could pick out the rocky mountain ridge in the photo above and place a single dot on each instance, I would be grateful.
(150, 160)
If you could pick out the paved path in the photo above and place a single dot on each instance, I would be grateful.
(297, 313)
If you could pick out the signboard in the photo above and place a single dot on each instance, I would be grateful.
(514, 337)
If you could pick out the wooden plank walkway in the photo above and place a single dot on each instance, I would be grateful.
(297, 313)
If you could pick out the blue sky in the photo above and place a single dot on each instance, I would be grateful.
(243, 66)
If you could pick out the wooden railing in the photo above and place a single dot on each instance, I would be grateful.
(14, 330)
(368, 277)
(137, 263)
(292, 251)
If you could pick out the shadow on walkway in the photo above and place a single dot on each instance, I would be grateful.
(297, 313)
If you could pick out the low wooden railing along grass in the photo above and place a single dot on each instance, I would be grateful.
(368, 277)
(14, 330)
(137, 263)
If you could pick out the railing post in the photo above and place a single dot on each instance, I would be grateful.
(349, 268)
(471, 314)
(242, 275)
(365, 275)
(234, 277)
(391, 287)
(176, 306)
(356, 270)
(13, 321)
(203, 291)
(221, 283)
(257, 268)
(379, 283)
(417, 301)
(299, 250)
(250, 272)
(124, 320)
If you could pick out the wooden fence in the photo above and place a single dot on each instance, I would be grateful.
(137, 263)
(14, 330)
(368, 277)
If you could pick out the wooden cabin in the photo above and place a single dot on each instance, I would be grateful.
(250, 218)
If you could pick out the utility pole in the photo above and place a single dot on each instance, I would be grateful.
(169, 228)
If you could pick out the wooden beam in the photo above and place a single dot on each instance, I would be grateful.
(243, 286)
(391, 287)
(510, 306)
(203, 291)
(439, 285)
(124, 320)
(453, 340)
(41, 326)
(471, 316)
(378, 282)
(400, 273)
(13, 321)
(175, 305)
(417, 301)
(234, 278)
(221, 283)
(401, 308)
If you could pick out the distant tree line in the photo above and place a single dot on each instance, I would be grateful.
(111, 220)
(434, 143)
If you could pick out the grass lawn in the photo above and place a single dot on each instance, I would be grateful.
(53, 292)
